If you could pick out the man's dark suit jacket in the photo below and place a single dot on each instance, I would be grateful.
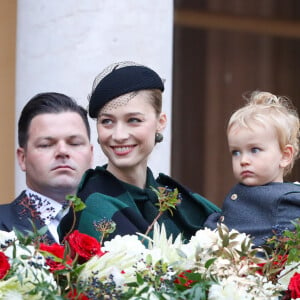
(17, 214)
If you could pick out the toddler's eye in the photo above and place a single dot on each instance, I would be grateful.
(235, 153)
(255, 150)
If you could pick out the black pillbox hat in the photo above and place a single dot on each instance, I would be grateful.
(122, 81)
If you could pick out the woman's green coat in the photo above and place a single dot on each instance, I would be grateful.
(133, 209)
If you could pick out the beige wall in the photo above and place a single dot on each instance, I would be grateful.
(62, 47)
(8, 10)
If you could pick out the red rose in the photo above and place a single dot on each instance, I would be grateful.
(72, 295)
(294, 286)
(58, 251)
(54, 249)
(84, 245)
(4, 265)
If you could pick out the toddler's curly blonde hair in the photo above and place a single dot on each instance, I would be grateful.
(265, 108)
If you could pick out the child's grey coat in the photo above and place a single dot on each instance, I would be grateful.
(258, 210)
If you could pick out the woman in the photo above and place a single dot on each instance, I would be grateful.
(126, 101)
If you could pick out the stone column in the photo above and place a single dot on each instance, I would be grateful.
(63, 45)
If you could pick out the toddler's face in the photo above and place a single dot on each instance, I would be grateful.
(256, 155)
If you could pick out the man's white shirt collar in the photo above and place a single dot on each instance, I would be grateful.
(48, 210)
(47, 207)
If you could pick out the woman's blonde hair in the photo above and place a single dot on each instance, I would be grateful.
(267, 109)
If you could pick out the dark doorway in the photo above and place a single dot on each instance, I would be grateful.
(223, 49)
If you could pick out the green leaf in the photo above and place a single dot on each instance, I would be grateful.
(139, 279)
(209, 262)
(77, 202)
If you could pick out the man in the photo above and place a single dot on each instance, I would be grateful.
(54, 152)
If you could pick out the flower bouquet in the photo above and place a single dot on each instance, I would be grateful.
(219, 264)
(216, 264)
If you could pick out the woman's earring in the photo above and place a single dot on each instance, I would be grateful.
(158, 137)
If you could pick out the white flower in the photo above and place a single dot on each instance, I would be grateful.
(6, 237)
(29, 269)
(129, 243)
(287, 273)
(13, 288)
(160, 239)
(163, 248)
(228, 290)
(19, 251)
(30, 263)
(206, 239)
(123, 253)
(237, 288)
(11, 294)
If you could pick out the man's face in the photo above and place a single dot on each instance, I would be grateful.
(57, 154)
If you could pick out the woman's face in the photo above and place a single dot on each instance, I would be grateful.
(126, 131)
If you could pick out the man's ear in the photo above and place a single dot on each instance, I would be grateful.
(21, 158)
(287, 156)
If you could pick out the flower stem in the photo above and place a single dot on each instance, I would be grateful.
(152, 224)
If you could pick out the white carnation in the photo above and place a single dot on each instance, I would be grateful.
(228, 290)
(129, 243)
(287, 273)
(206, 239)
(6, 237)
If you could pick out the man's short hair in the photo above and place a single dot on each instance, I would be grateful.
(45, 103)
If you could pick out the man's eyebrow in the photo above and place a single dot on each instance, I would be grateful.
(45, 138)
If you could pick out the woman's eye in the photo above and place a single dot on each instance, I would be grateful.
(134, 120)
(105, 121)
